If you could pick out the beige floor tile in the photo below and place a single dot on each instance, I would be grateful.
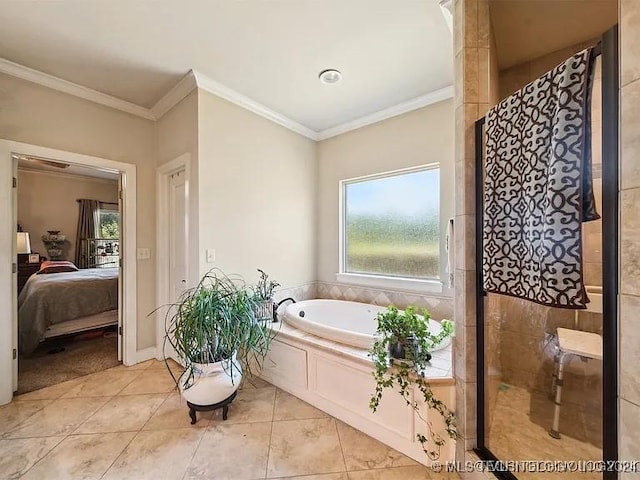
(397, 473)
(322, 476)
(156, 364)
(361, 452)
(155, 455)
(232, 452)
(60, 417)
(19, 455)
(103, 384)
(131, 368)
(254, 382)
(252, 405)
(174, 413)
(150, 380)
(81, 457)
(289, 407)
(127, 413)
(15, 413)
(51, 393)
(303, 447)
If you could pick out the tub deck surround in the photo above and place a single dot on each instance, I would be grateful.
(337, 379)
(439, 373)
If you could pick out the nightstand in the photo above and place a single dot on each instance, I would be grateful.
(25, 270)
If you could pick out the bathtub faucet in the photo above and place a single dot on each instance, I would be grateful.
(276, 306)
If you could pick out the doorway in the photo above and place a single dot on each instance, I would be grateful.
(173, 181)
(124, 260)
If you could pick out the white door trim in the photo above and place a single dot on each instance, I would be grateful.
(163, 289)
(7, 251)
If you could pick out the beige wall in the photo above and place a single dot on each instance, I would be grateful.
(257, 187)
(48, 202)
(37, 115)
(416, 138)
(630, 233)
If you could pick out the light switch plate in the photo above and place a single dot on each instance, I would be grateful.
(144, 253)
(211, 255)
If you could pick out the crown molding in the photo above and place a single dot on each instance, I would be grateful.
(194, 79)
(211, 86)
(180, 90)
(55, 83)
(405, 107)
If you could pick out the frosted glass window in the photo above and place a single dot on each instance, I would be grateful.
(391, 225)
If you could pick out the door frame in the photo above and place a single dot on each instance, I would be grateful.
(8, 287)
(163, 269)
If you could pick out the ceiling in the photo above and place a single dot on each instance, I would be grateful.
(61, 168)
(527, 29)
(269, 51)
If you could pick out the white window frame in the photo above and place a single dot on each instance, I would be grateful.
(419, 285)
(109, 207)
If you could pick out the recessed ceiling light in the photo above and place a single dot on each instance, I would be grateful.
(330, 76)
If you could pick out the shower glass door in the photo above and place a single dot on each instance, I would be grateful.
(547, 376)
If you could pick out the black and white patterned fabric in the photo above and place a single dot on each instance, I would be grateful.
(538, 187)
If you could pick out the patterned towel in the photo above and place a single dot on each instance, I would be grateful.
(538, 187)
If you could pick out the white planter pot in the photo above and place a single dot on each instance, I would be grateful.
(212, 382)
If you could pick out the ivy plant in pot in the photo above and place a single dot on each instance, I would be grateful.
(215, 331)
(401, 353)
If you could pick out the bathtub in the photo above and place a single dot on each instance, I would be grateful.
(349, 323)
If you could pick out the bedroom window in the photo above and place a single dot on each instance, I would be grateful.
(109, 222)
(391, 226)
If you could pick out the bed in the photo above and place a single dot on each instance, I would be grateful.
(62, 303)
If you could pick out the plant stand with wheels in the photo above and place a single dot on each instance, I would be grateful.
(224, 405)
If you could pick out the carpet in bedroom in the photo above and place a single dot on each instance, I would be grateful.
(83, 354)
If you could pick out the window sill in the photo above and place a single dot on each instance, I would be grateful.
(392, 283)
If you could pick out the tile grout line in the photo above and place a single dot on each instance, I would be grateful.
(109, 398)
(156, 410)
(2, 436)
(45, 455)
(344, 460)
(195, 450)
(124, 449)
(273, 414)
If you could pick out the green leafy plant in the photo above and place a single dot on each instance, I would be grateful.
(264, 288)
(215, 321)
(407, 335)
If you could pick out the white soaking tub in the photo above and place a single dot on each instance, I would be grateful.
(349, 323)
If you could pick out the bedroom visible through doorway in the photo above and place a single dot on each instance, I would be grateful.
(69, 241)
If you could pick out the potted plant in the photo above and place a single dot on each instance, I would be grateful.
(263, 292)
(401, 353)
(216, 333)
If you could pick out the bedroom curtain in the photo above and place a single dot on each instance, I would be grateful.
(88, 227)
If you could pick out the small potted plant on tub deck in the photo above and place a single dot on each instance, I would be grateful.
(216, 331)
(401, 353)
(263, 292)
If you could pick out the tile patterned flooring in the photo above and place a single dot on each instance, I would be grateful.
(519, 431)
(128, 423)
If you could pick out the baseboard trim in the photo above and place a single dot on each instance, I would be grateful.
(145, 354)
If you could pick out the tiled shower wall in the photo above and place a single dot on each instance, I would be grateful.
(476, 89)
(629, 321)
